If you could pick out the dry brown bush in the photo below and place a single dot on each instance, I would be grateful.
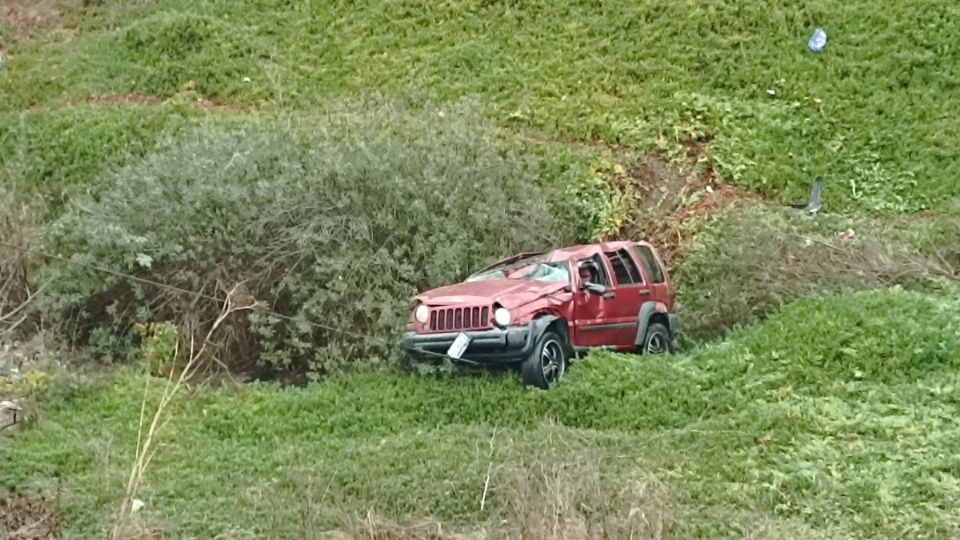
(29, 517)
(573, 500)
(669, 205)
(750, 263)
(18, 230)
(545, 500)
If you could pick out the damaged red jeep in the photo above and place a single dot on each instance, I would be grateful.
(540, 310)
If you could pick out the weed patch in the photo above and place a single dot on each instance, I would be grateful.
(19, 225)
(190, 51)
(867, 113)
(783, 431)
(27, 17)
(747, 264)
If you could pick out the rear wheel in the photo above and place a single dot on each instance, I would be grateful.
(547, 362)
(657, 340)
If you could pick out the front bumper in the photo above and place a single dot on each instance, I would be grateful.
(496, 346)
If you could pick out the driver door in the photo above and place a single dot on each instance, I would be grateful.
(599, 319)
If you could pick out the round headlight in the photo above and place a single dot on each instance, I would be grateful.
(422, 314)
(501, 316)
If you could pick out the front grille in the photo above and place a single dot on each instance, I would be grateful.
(466, 318)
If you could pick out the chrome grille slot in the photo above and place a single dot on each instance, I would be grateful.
(451, 319)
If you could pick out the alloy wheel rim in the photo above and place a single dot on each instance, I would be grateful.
(551, 361)
(656, 344)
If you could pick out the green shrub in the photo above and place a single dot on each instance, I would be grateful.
(336, 226)
(748, 264)
(591, 203)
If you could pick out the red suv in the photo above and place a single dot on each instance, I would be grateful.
(540, 309)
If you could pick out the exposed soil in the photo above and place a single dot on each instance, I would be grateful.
(136, 99)
(26, 17)
(670, 206)
(132, 99)
(28, 517)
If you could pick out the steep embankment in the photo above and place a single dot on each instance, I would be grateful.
(797, 428)
(834, 418)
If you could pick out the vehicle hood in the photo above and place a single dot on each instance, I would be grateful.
(509, 293)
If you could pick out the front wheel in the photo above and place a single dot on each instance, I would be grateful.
(657, 340)
(546, 363)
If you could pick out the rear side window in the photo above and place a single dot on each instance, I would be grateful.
(650, 264)
(624, 268)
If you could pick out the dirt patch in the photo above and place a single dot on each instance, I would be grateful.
(27, 17)
(664, 203)
(136, 99)
(132, 99)
(669, 206)
(222, 106)
(29, 517)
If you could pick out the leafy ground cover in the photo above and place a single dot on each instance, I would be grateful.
(869, 112)
(799, 427)
(834, 418)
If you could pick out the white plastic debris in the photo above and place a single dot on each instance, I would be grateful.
(136, 505)
(817, 41)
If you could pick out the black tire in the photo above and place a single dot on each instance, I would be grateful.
(657, 340)
(547, 361)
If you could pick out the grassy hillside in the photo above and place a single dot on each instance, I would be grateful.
(798, 428)
(871, 112)
(834, 418)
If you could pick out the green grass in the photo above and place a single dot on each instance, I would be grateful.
(808, 426)
(54, 152)
(835, 418)
(870, 112)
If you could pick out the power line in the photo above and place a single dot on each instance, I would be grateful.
(167, 286)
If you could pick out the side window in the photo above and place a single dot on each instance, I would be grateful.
(624, 268)
(592, 269)
(649, 263)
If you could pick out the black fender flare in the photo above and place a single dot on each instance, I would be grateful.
(539, 325)
(647, 309)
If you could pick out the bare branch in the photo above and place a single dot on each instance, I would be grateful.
(146, 449)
